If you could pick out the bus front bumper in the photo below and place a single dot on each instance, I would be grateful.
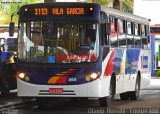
(91, 89)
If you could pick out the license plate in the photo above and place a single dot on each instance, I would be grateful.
(55, 90)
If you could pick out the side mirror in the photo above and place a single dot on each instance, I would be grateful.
(108, 28)
(11, 29)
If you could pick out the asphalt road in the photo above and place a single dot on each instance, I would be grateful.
(148, 103)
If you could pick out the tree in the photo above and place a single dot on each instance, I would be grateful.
(102, 2)
(9, 7)
(127, 6)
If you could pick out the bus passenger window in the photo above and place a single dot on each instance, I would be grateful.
(144, 41)
(136, 29)
(139, 29)
(120, 26)
(132, 28)
(138, 42)
(129, 27)
(143, 30)
(124, 26)
(113, 22)
(113, 34)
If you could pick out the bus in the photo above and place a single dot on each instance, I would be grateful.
(54, 60)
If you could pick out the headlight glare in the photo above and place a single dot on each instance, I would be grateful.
(94, 75)
(21, 75)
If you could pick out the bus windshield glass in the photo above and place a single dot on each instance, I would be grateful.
(58, 42)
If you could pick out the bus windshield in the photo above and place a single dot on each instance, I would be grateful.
(58, 42)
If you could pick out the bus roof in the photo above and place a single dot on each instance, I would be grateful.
(124, 15)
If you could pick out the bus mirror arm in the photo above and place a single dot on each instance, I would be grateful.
(108, 28)
(12, 24)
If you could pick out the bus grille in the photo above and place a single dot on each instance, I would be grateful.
(65, 92)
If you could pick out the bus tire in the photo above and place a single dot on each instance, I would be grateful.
(124, 96)
(134, 95)
(112, 88)
(103, 102)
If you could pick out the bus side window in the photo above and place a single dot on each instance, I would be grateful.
(129, 30)
(113, 34)
(104, 35)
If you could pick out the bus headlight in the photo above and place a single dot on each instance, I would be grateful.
(27, 78)
(92, 76)
(23, 76)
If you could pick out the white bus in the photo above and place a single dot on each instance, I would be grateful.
(55, 61)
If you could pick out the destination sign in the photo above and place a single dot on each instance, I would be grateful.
(60, 11)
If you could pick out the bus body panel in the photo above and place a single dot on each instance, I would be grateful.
(131, 62)
(92, 89)
(145, 66)
(105, 84)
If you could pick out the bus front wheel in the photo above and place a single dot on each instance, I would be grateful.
(124, 96)
(103, 102)
(134, 95)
